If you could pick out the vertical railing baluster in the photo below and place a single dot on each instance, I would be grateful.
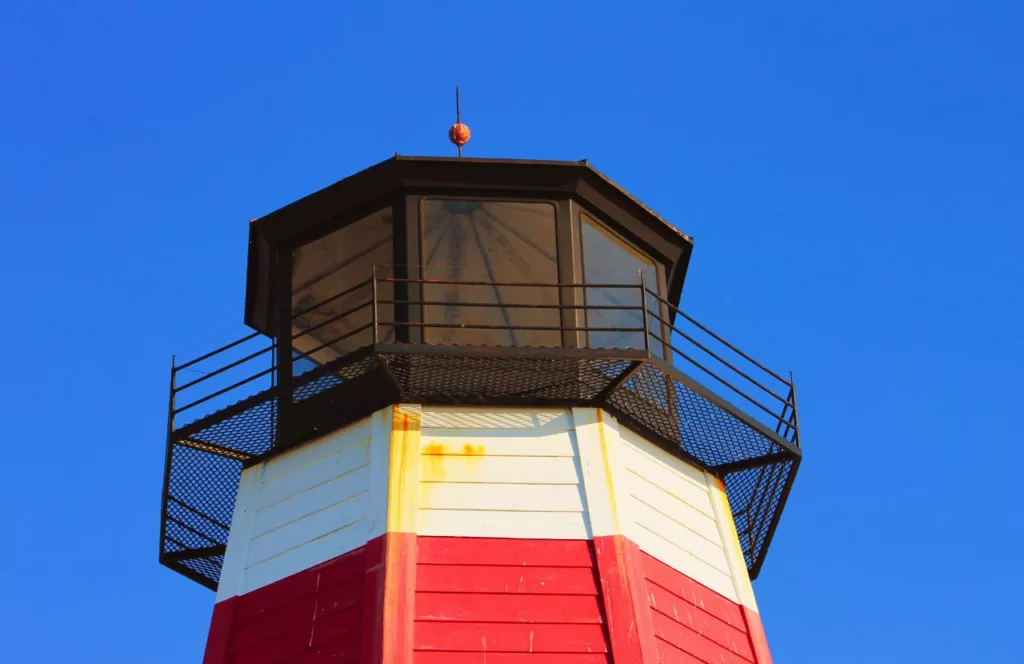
(373, 294)
(167, 456)
(643, 309)
(796, 418)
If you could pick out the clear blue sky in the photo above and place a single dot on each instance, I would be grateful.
(852, 173)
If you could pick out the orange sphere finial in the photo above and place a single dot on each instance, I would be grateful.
(459, 134)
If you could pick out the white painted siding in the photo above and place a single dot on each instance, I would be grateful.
(500, 473)
(306, 506)
(480, 472)
(666, 507)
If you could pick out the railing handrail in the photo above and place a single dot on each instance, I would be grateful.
(664, 324)
(739, 352)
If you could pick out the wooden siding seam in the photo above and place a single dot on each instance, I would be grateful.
(304, 543)
(638, 481)
(744, 636)
(346, 499)
(313, 487)
(676, 547)
(310, 459)
(682, 524)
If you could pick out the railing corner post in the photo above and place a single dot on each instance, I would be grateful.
(373, 296)
(643, 312)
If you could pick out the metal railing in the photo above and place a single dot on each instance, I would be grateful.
(233, 372)
(621, 347)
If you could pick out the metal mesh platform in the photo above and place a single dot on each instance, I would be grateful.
(756, 463)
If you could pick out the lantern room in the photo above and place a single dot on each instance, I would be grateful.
(470, 252)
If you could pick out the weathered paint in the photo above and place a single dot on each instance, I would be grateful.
(670, 513)
(316, 614)
(727, 528)
(486, 474)
(400, 541)
(304, 507)
(480, 598)
(477, 525)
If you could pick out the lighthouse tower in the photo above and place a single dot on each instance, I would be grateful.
(472, 424)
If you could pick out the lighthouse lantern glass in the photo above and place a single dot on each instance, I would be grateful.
(608, 261)
(321, 270)
(494, 244)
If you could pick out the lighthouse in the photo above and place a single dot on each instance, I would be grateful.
(472, 422)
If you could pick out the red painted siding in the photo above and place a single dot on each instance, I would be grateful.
(692, 623)
(313, 616)
(507, 601)
(450, 600)
(631, 634)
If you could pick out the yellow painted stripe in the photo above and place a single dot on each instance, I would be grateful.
(403, 476)
(740, 577)
(608, 467)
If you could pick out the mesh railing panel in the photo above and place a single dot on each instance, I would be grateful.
(469, 379)
(755, 497)
(206, 463)
(698, 426)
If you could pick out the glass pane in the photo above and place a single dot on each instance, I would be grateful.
(495, 242)
(329, 326)
(607, 262)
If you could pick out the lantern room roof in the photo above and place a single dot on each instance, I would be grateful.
(311, 216)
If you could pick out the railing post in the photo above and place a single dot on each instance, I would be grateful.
(643, 310)
(796, 418)
(167, 457)
(285, 375)
(373, 313)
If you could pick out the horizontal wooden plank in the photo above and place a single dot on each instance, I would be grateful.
(314, 552)
(336, 465)
(689, 641)
(669, 654)
(309, 528)
(341, 569)
(681, 480)
(275, 650)
(273, 622)
(344, 624)
(346, 650)
(340, 598)
(689, 590)
(313, 451)
(515, 552)
(652, 457)
(499, 470)
(705, 545)
(266, 599)
(506, 579)
(504, 497)
(462, 417)
(298, 616)
(700, 523)
(480, 607)
(500, 637)
(497, 442)
(685, 562)
(469, 523)
(433, 657)
(339, 490)
(692, 499)
(699, 620)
